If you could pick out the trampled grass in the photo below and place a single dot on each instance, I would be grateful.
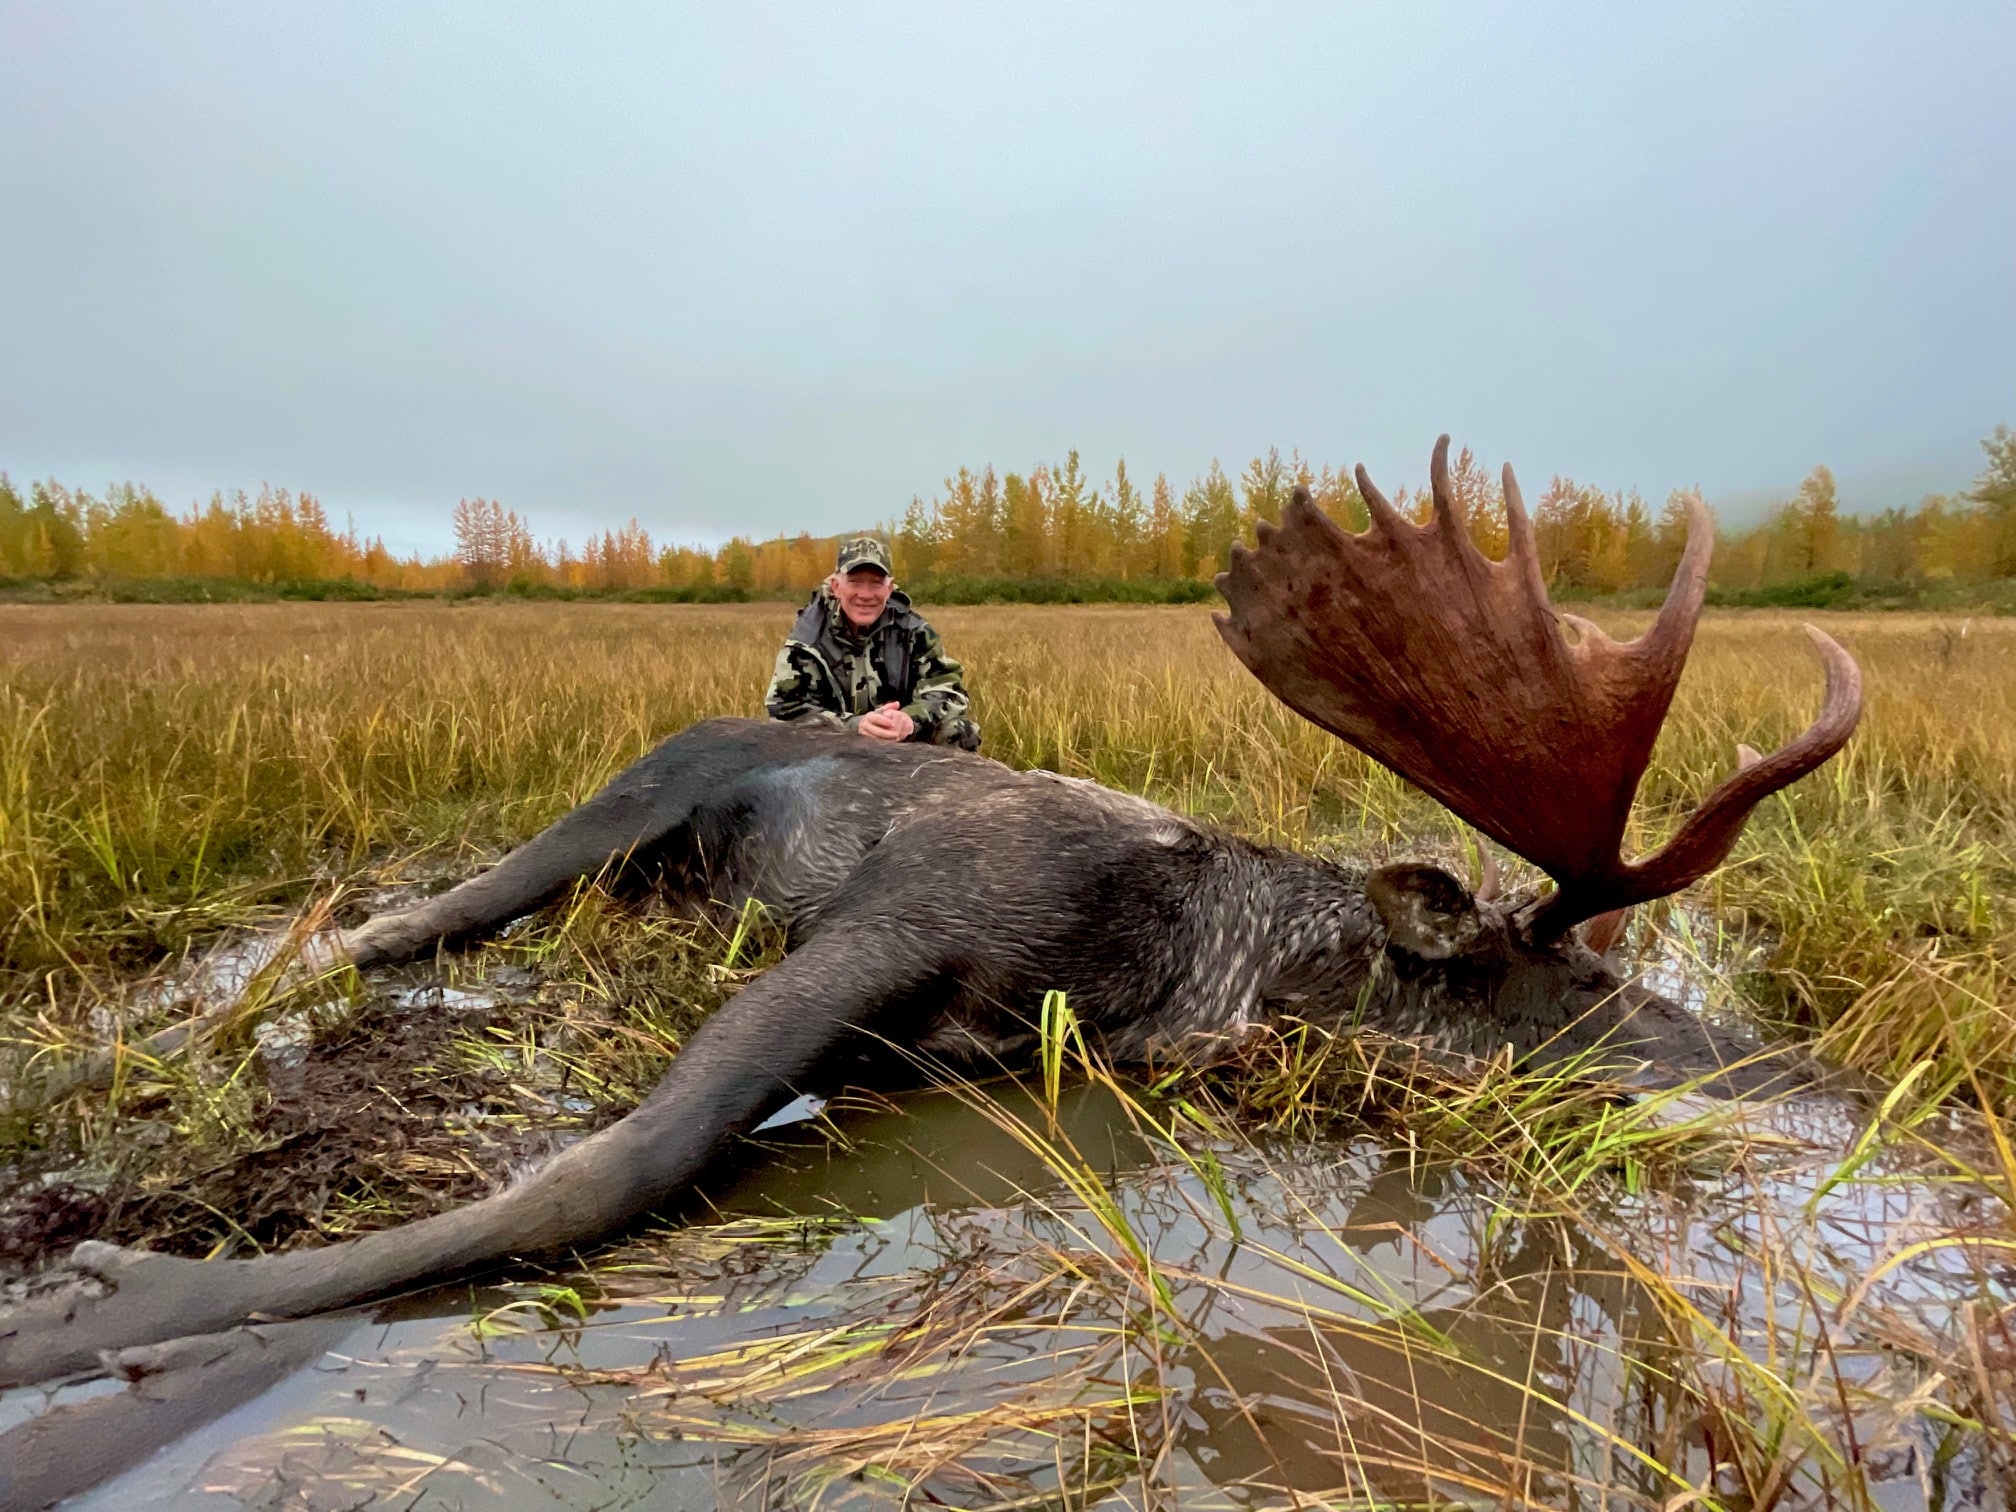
(168, 772)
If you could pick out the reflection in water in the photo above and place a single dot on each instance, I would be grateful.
(912, 1296)
(1465, 1397)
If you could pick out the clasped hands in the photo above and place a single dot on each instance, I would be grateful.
(888, 722)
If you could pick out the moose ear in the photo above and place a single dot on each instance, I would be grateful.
(1428, 914)
(1602, 933)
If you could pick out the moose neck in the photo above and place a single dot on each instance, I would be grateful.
(1328, 958)
(1322, 938)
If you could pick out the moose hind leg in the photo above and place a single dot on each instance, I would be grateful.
(754, 1055)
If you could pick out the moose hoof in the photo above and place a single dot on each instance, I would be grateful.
(389, 937)
(103, 1298)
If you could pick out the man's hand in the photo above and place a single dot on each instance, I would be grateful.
(887, 723)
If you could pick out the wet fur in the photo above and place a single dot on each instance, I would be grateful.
(1161, 929)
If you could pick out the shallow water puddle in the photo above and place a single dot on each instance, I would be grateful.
(926, 1299)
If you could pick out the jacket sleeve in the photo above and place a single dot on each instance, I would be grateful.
(801, 688)
(937, 686)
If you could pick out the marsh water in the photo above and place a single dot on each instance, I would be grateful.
(981, 1297)
(937, 1292)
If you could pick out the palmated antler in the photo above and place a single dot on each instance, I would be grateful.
(1453, 670)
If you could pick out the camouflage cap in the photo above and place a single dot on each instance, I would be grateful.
(863, 551)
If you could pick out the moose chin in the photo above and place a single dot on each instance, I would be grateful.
(932, 897)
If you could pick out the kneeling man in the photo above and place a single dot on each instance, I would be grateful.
(861, 657)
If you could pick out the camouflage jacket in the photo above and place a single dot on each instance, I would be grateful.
(830, 670)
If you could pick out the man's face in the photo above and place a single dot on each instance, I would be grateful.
(862, 591)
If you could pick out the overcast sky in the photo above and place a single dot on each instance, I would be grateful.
(759, 269)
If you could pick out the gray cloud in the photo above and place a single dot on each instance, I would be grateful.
(763, 269)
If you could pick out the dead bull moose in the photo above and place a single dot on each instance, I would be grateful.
(933, 896)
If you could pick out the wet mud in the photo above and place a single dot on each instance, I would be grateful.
(351, 1120)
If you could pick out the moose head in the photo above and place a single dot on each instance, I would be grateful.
(1533, 726)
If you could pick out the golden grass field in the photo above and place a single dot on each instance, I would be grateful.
(170, 777)
(165, 772)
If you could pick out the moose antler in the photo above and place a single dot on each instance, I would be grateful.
(1453, 670)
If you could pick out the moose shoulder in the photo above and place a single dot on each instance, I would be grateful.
(933, 896)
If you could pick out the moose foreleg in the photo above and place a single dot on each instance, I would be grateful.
(604, 832)
(670, 786)
(640, 808)
(607, 829)
(748, 1060)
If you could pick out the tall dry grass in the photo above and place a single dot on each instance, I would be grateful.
(166, 772)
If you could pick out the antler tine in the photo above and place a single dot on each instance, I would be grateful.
(1455, 674)
(1448, 508)
(1672, 633)
(1522, 547)
(1707, 835)
(1377, 507)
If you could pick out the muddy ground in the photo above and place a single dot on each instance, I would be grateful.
(431, 1086)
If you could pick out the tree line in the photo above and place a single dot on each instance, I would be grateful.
(1050, 525)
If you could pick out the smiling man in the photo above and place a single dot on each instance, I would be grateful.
(861, 657)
